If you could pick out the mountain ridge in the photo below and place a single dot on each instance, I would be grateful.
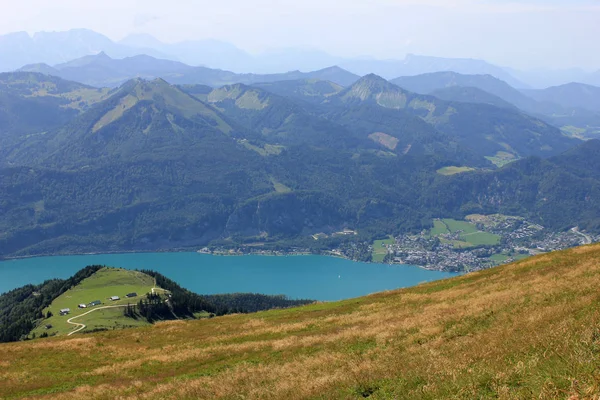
(102, 70)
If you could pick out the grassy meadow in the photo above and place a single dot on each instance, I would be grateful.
(469, 235)
(101, 286)
(452, 170)
(526, 330)
(379, 249)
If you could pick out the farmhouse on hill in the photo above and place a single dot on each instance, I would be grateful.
(95, 303)
(114, 298)
(82, 305)
(132, 294)
(65, 311)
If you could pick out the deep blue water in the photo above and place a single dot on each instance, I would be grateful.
(314, 277)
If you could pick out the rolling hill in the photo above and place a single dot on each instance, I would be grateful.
(570, 95)
(516, 331)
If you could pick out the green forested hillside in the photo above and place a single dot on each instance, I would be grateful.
(482, 128)
(33, 104)
(156, 166)
(559, 192)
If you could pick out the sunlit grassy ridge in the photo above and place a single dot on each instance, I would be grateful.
(525, 330)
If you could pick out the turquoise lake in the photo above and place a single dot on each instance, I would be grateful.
(314, 277)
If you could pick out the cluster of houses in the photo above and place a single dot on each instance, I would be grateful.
(65, 311)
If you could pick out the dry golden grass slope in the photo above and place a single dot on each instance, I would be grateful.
(521, 331)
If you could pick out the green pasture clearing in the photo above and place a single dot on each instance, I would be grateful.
(452, 170)
(469, 235)
(458, 244)
(438, 228)
(280, 187)
(101, 286)
(455, 226)
(268, 150)
(499, 258)
(502, 158)
(379, 249)
(481, 238)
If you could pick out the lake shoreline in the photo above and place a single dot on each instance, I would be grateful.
(219, 254)
(320, 277)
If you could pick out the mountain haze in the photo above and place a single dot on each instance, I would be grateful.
(101, 70)
(18, 49)
(571, 95)
(572, 107)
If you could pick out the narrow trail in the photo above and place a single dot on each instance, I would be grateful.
(82, 326)
(586, 239)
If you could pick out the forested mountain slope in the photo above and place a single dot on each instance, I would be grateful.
(482, 128)
(33, 104)
(157, 166)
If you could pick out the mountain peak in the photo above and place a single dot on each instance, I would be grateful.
(39, 67)
(375, 88)
(374, 82)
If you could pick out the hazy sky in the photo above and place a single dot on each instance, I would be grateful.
(522, 34)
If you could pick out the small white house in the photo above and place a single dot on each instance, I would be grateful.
(82, 306)
(65, 311)
(114, 298)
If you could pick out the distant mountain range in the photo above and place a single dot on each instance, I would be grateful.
(571, 95)
(574, 106)
(19, 49)
(100, 70)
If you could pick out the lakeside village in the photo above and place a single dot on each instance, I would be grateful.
(479, 242)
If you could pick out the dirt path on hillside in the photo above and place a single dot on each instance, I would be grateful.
(82, 326)
(586, 238)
